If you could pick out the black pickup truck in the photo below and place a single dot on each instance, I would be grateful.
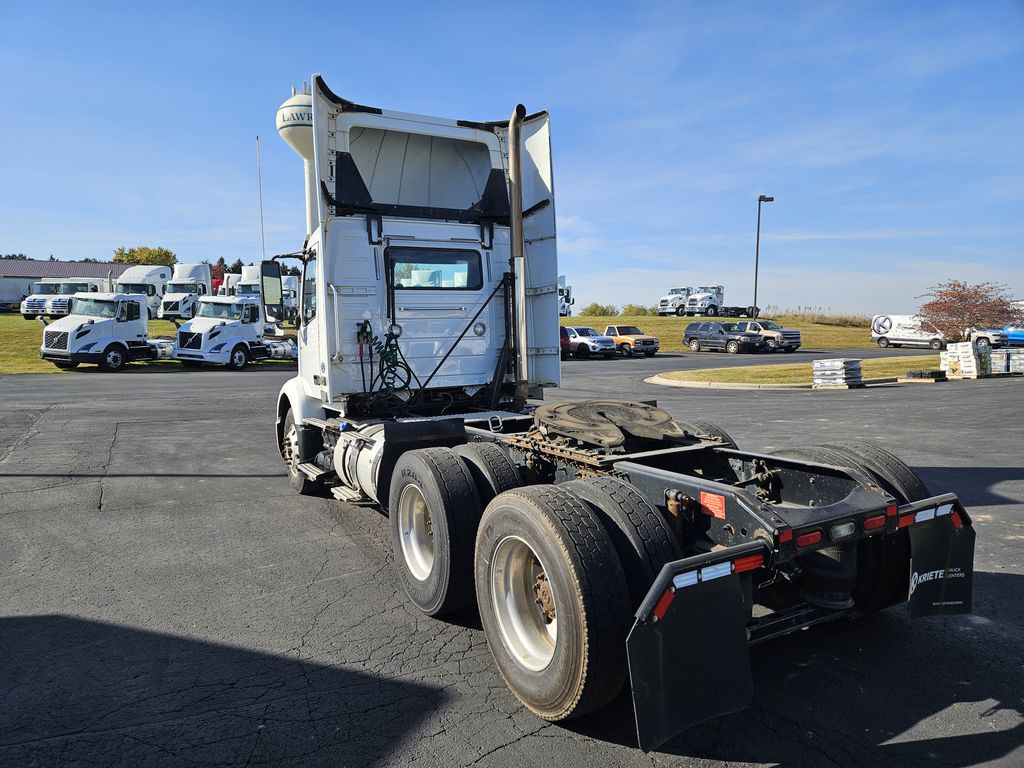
(721, 336)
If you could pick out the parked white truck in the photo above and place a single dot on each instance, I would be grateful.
(147, 280)
(51, 296)
(565, 299)
(601, 541)
(709, 300)
(228, 330)
(248, 283)
(674, 302)
(189, 283)
(108, 329)
(227, 286)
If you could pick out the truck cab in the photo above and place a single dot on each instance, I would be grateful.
(147, 281)
(674, 302)
(57, 304)
(189, 283)
(706, 300)
(248, 283)
(565, 299)
(227, 330)
(108, 329)
(34, 305)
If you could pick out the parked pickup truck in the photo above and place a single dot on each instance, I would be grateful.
(775, 336)
(629, 339)
(721, 336)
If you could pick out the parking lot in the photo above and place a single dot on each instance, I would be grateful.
(167, 600)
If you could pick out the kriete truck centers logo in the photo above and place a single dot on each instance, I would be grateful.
(943, 573)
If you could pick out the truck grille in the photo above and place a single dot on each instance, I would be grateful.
(188, 340)
(170, 306)
(55, 339)
(59, 305)
(37, 305)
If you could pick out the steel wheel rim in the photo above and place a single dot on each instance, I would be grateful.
(113, 358)
(291, 449)
(528, 636)
(238, 357)
(417, 533)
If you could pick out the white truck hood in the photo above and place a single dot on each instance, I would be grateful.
(177, 296)
(73, 322)
(204, 324)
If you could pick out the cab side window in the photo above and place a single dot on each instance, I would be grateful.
(309, 291)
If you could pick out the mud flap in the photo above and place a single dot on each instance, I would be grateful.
(688, 657)
(941, 560)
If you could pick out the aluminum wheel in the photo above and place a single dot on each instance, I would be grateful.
(417, 532)
(290, 448)
(524, 604)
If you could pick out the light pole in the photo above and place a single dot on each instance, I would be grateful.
(757, 243)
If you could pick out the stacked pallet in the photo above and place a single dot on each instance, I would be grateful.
(840, 373)
(968, 361)
(1000, 361)
(1015, 361)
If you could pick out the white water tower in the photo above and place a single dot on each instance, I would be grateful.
(295, 124)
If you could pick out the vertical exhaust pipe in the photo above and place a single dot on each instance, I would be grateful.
(515, 194)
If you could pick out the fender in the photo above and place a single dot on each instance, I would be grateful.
(293, 398)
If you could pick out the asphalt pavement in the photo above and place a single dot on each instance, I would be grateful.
(165, 599)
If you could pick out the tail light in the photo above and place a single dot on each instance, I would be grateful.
(874, 523)
(808, 539)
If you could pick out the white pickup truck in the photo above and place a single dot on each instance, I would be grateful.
(108, 329)
(231, 331)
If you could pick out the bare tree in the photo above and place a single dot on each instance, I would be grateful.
(956, 306)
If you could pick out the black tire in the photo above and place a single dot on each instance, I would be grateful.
(239, 358)
(289, 447)
(732, 347)
(982, 341)
(771, 345)
(882, 561)
(694, 345)
(935, 344)
(115, 358)
(711, 311)
(442, 581)
(575, 566)
(680, 312)
(643, 538)
(583, 351)
(883, 342)
(65, 365)
(492, 469)
(708, 431)
(626, 349)
(29, 317)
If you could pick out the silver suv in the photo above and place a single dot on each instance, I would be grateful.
(585, 341)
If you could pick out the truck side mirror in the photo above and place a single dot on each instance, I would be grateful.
(271, 291)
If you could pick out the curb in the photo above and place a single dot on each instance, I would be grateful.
(665, 382)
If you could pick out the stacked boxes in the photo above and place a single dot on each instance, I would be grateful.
(841, 373)
(1000, 361)
(967, 361)
(1015, 361)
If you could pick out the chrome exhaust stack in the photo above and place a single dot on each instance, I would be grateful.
(515, 194)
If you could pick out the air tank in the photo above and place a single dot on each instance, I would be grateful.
(295, 124)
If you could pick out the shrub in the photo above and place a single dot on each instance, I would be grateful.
(638, 310)
(599, 310)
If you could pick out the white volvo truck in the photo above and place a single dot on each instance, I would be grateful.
(189, 283)
(229, 330)
(601, 541)
(108, 329)
(248, 283)
(51, 297)
(147, 280)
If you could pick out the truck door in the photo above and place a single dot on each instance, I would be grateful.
(310, 336)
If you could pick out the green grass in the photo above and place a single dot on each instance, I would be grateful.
(20, 340)
(800, 373)
(669, 330)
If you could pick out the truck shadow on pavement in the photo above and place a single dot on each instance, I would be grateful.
(974, 485)
(877, 691)
(75, 691)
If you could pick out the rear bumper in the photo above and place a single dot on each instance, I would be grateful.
(688, 648)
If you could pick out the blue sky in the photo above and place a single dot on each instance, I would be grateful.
(889, 133)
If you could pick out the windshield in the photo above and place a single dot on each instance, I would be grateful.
(95, 307)
(66, 289)
(708, 288)
(45, 289)
(677, 291)
(587, 332)
(768, 325)
(182, 288)
(244, 289)
(131, 288)
(630, 330)
(220, 311)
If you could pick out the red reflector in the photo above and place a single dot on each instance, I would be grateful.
(891, 510)
(786, 535)
(872, 523)
(958, 522)
(748, 563)
(906, 520)
(808, 539)
(664, 603)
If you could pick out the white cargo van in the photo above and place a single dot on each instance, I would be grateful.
(148, 281)
(905, 331)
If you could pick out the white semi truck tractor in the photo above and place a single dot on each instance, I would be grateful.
(148, 280)
(602, 541)
(187, 285)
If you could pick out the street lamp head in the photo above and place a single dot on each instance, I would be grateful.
(766, 199)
